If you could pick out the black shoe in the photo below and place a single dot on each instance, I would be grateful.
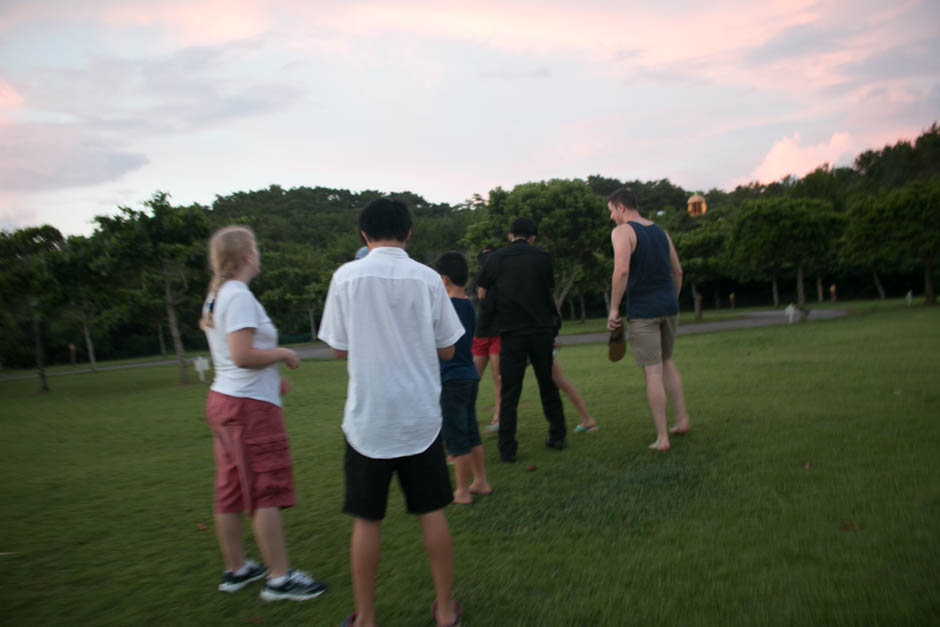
(556, 444)
(232, 581)
(299, 586)
(510, 459)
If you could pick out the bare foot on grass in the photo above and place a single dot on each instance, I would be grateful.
(481, 488)
(680, 428)
(462, 497)
(660, 445)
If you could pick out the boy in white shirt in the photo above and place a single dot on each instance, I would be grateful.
(391, 317)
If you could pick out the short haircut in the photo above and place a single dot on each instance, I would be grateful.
(523, 227)
(384, 219)
(484, 254)
(623, 196)
(453, 265)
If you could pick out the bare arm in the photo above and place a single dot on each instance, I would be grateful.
(447, 353)
(675, 267)
(338, 354)
(247, 356)
(481, 293)
(623, 240)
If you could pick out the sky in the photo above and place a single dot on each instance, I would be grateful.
(104, 102)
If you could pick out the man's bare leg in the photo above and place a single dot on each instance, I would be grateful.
(656, 398)
(364, 560)
(463, 466)
(558, 376)
(480, 484)
(437, 544)
(269, 533)
(673, 384)
(228, 530)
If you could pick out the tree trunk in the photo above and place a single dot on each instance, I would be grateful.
(570, 309)
(89, 346)
(776, 289)
(717, 299)
(583, 309)
(800, 288)
(40, 353)
(697, 299)
(174, 329)
(160, 338)
(560, 296)
(606, 293)
(881, 288)
(819, 288)
(930, 298)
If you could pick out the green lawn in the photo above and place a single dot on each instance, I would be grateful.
(807, 493)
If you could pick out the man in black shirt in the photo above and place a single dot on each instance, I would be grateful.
(520, 278)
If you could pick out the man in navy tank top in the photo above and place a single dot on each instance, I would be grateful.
(648, 275)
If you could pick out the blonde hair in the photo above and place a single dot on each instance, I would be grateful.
(227, 249)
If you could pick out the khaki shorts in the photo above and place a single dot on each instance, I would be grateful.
(652, 339)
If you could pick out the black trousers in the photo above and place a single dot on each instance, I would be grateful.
(515, 350)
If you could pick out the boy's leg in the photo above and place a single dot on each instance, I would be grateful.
(463, 467)
(269, 532)
(228, 530)
(480, 483)
(437, 543)
(364, 549)
(367, 482)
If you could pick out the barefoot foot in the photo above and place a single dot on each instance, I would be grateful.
(680, 428)
(463, 498)
(660, 445)
(482, 488)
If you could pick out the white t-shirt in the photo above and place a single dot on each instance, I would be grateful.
(392, 314)
(236, 308)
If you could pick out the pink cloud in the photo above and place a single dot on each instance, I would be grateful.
(202, 22)
(789, 156)
(9, 97)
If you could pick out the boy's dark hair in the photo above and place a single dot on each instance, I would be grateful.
(623, 196)
(523, 227)
(453, 265)
(384, 218)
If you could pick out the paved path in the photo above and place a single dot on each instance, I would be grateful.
(750, 320)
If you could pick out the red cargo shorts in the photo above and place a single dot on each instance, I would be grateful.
(252, 457)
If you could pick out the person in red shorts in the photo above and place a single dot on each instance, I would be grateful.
(485, 347)
(252, 458)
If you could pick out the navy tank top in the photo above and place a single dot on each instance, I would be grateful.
(650, 290)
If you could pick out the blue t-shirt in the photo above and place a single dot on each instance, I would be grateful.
(461, 366)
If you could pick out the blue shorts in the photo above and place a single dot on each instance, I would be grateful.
(459, 410)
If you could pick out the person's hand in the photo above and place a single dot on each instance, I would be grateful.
(285, 386)
(291, 360)
(613, 320)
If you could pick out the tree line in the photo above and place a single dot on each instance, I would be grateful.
(136, 284)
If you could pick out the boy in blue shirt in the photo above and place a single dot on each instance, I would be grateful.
(459, 384)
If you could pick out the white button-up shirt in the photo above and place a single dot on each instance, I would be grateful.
(392, 314)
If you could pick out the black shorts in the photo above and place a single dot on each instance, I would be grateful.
(423, 478)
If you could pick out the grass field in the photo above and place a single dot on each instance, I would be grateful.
(807, 493)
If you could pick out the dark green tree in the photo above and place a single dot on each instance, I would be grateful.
(166, 246)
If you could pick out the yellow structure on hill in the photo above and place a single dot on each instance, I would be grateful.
(697, 205)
